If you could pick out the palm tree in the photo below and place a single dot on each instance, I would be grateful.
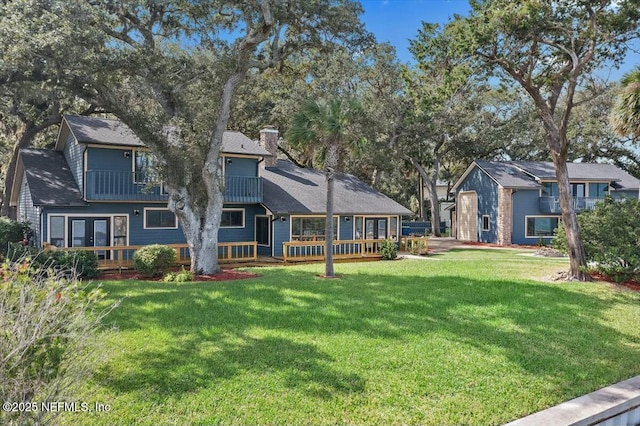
(327, 128)
(625, 117)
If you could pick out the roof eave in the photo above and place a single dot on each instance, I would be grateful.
(17, 182)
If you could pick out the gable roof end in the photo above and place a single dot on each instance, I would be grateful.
(49, 178)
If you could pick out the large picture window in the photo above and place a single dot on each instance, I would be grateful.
(159, 219)
(541, 226)
(311, 228)
(232, 218)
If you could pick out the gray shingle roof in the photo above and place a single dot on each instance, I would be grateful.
(523, 174)
(289, 189)
(105, 131)
(49, 178)
(582, 171)
(102, 131)
(507, 175)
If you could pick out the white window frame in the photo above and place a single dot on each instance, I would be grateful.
(144, 218)
(488, 228)
(255, 229)
(244, 218)
(537, 237)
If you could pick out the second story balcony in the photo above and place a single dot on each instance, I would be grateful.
(552, 204)
(111, 185)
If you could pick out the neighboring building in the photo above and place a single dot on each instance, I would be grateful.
(97, 188)
(517, 202)
(446, 202)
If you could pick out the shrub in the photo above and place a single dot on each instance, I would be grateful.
(154, 260)
(182, 276)
(12, 232)
(611, 235)
(81, 263)
(388, 250)
(48, 325)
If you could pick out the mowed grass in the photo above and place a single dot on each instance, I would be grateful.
(466, 337)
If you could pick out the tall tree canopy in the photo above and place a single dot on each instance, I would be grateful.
(327, 127)
(625, 116)
(169, 70)
(551, 50)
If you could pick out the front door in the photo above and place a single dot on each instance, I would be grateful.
(375, 228)
(90, 232)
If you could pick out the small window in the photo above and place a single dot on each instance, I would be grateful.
(262, 230)
(393, 228)
(541, 226)
(232, 219)
(120, 230)
(550, 189)
(56, 231)
(159, 218)
(486, 223)
(358, 228)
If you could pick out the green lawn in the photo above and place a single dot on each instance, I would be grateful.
(467, 337)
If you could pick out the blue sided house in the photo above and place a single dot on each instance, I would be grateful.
(97, 188)
(517, 202)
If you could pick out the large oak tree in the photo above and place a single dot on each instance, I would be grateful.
(551, 49)
(169, 70)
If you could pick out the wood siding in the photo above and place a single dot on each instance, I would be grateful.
(26, 210)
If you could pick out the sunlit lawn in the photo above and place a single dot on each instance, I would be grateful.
(467, 337)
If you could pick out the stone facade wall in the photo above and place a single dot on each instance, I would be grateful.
(505, 215)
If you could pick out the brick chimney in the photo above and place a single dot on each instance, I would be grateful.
(269, 141)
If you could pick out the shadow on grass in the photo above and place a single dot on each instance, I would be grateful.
(543, 329)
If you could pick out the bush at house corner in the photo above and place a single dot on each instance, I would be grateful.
(611, 235)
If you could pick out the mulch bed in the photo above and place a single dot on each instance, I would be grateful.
(224, 275)
(633, 284)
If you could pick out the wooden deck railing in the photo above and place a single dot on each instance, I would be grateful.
(122, 256)
(342, 249)
(414, 245)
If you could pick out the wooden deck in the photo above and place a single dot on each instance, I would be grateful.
(232, 255)
(296, 251)
(119, 257)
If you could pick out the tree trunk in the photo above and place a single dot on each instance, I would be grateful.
(435, 207)
(200, 230)
(332, 163)
(577, 257)
(431, 183)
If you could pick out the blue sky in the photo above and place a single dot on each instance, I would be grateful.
(397, 21)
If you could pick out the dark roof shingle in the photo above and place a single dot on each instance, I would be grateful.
(49, 178)
(529, 174)
(289, 189)
(104, 131)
